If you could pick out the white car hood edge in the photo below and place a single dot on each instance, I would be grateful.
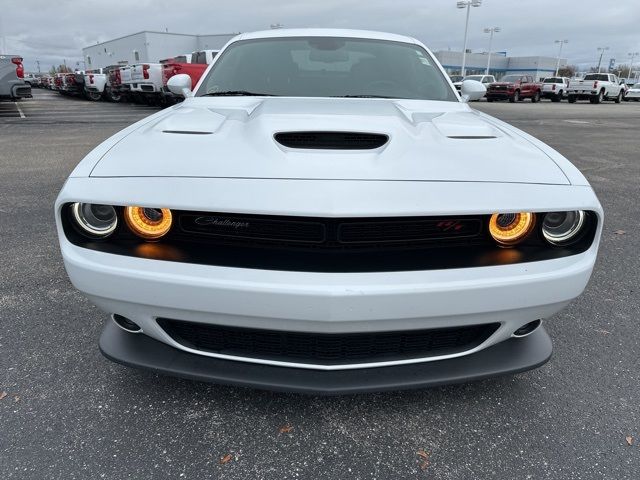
(233, 138)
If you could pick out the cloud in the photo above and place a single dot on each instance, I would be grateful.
(55, 31)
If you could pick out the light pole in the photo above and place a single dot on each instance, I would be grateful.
(490, 31)
(466, 4)
(601, 50)
(633, 56)
(561, 42)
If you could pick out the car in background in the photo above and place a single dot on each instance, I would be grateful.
(56, 82)
(31, 79)
(114, 89)
(325, 214)
(514, 88)
(72, 84)
(596, 87)
(193, 64)
(146, 83)
(124, 83)
(628, 82)
(633, 93)
(486, 80)
(12, 84)
(95, 82)
(455, 78)
(555, 88)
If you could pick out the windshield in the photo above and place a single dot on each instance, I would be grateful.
(510, 78)
(327, 67)
(603, 77)
(477, 78)
(552, 80)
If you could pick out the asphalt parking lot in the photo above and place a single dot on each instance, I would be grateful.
(69, 413)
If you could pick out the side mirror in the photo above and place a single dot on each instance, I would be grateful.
(180, 85)
(472, 90)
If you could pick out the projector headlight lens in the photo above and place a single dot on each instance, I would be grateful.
(511, 228)
(563, 228)
(148, 223)
(95, 220)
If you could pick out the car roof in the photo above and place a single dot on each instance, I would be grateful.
(325, 32)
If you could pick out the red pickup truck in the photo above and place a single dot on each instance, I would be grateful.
(514, 88)
(193, 64)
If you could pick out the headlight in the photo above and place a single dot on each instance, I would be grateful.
(511, 228)
(148, 223)
(563, 228)
(95, 220)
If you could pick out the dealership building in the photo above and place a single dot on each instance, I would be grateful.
(149, 47)
(501, 64)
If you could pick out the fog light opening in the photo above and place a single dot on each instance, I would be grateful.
(126, 324)
(527, 329)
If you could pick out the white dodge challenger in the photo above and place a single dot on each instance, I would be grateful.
(325, 214)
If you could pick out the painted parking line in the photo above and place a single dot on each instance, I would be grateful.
(20, 110)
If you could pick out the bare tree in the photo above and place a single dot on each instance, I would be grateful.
(567, 71)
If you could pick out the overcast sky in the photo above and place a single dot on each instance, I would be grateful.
(51, 31)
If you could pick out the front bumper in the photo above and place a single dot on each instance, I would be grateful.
(144, 290)
(512, 356)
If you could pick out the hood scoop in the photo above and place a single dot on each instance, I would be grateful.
(190, 121)
(331, 140)
(465, 126)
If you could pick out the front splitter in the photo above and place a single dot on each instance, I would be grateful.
(508, 357)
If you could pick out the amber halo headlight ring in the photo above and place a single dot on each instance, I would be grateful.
(148, 223)
(509, 229)
(564, 228)
(94, 220)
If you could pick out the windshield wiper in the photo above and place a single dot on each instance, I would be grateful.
(237, 93)
(360, 96)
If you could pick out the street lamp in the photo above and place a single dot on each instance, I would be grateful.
(633, 56)
(561, 42)
(466, 4)
(491, 31)
(601, 50)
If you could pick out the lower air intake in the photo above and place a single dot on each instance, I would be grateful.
(324, 348)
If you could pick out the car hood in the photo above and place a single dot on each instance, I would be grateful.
(502, 84)
(234, 138)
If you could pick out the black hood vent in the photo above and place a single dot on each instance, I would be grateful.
(331, 140)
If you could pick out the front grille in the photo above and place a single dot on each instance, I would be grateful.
(326, 349)
(253, 227)
(330, 233)
(331, 140)
(407, 230)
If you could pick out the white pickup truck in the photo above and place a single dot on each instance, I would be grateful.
(95, 82)
(554, 88)
(596, 87)
(146, 82)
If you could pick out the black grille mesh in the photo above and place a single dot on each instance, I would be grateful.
(327, 231)
(331, 140)
(326, 349)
